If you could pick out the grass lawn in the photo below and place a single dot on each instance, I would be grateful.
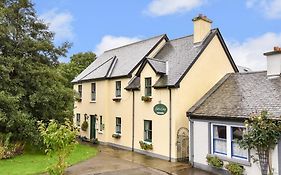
(36, 163)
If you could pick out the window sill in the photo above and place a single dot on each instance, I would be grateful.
(239, 161)
(100, 132)
(147, 142)
(93, 101)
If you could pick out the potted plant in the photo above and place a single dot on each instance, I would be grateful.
(84, 126)
(116, 135)
(214, 161)
(146, 98)
(145, 146)
(235, 168)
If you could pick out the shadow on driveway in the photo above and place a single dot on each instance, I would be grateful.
(114, 161)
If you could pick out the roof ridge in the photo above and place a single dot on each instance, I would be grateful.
(208, 94)
(135, 42)
(186, 36)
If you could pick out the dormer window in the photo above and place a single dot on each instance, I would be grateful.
(148, 87)
(118, 89)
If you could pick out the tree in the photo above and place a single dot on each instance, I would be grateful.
(78, 62)
(32, 88)
(60, 141)
(262, 135)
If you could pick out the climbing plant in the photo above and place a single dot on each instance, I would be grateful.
(263, 134)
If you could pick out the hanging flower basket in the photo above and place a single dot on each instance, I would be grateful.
(146, 98)
(116, 136)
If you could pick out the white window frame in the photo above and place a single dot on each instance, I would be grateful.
(228, 141)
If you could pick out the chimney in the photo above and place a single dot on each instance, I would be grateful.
(273, 62)
(202, 26)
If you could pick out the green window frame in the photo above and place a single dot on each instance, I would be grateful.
(93, 92)
(80, 90)
(101, 126)
(118, 125)
(78, 118)
(148, 87)
(148, 130)
(118, 88)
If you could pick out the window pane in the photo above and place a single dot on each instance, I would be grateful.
(118, 89)
(80, 90)
(237, 134)
(93, 85)
(78, 119)
(220, 146)
(148, 130)
(219, 139)
(101, 127)
(118, 125)
(220, 132)
(147, 86)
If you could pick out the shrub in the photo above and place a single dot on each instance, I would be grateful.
(145, 146)
(235, 169)
(9, 149)
(84, 126)
(214, 161)
(60, 140)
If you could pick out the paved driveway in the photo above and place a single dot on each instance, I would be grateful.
(113, 161)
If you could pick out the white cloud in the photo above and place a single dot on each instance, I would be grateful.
(250, 52)
(110, 42)
(166, 7)
(60, 23)
(270, 8)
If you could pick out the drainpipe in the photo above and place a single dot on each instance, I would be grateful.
(133, 123)
(191, 141)
(170, 125)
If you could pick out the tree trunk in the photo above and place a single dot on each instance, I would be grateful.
(264, 160)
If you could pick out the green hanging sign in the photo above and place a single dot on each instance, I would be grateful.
(160, 109)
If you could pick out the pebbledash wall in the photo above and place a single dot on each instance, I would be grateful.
(208, 69)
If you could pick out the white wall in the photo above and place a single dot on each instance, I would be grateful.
(201, 147)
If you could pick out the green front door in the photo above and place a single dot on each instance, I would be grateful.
(93, 127)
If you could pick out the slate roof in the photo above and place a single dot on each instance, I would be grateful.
(239, 94)
(179, 55)
(157, 65)
(118, 62)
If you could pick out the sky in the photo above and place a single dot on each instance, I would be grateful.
(249, 27)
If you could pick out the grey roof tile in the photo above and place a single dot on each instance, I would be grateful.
(158, 65)
(239, 95)
(128, 56)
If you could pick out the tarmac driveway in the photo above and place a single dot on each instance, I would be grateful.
(114, 161)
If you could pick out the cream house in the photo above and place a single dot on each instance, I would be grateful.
(135, 96)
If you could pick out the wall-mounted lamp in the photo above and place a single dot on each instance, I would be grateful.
(86, 117)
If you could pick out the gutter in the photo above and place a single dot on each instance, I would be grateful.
(170, 125)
